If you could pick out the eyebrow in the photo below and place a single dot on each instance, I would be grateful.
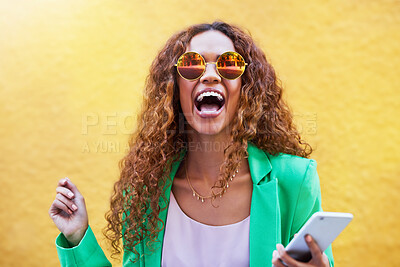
(218, 55)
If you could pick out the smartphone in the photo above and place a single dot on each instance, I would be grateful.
(324, 227)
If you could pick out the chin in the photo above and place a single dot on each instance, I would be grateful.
(212, 128)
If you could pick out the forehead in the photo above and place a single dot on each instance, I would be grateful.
(211, 43)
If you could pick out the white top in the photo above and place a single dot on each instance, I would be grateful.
(190, 243)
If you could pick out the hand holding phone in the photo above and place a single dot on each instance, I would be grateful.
(324, 227)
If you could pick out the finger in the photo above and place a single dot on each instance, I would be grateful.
(286, 258)
(67, 202)
(57, 207)
(315, 250)
(71, 186)
(276, 262)
(62, 181)
(65, 192)
(325, 259)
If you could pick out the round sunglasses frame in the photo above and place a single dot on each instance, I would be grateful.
(215, 63)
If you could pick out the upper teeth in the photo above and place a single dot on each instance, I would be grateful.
(202, 95)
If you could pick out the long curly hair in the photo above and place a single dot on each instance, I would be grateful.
(262, 118)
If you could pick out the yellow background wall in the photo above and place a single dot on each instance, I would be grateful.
(71, 79)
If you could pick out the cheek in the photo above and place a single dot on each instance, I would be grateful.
(185, 90)
(234, 88)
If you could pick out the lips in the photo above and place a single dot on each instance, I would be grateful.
(209, 102)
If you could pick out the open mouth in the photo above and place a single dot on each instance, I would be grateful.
(209, 102)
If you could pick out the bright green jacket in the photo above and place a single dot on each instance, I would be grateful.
(286, 192)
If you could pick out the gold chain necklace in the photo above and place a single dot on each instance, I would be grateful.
(201, 197)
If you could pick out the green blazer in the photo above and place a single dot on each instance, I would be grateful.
(286, 192)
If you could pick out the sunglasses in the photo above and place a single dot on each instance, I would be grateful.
(191, 65)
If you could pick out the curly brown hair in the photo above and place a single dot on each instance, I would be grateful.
(262, 118)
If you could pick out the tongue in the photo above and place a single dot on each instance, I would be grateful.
(209, 107)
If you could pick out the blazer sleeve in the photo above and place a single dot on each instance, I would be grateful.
(87, 253)
(309, 202)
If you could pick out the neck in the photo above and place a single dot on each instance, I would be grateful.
(205, 156)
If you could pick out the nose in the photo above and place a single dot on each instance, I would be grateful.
(210, 74)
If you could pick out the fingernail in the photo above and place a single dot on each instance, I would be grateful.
(275, 254)
(308, 238)
(74, 207)
(70, 194)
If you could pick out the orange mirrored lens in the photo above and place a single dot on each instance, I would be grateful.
(191, 65)
(231, 65)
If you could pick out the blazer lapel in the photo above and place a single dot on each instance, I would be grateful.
(264, 213)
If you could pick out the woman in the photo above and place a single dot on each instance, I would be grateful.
(216, 174)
